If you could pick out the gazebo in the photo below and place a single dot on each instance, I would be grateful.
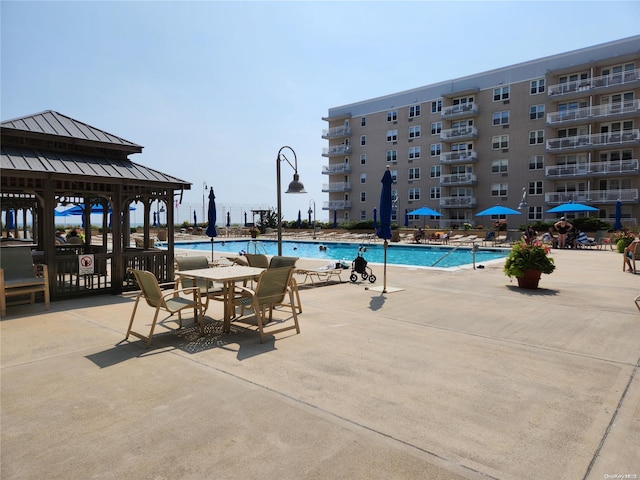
(48, 159)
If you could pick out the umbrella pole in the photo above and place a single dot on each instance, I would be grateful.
(384, 287)
(211, 249)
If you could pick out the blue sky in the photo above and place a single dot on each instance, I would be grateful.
(212, 90)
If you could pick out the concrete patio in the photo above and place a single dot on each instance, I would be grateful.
(458, 375)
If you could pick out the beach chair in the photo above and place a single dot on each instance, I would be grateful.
(208, 290)
(271, 291)
(171, 302)
(19, 277)
(321, 274)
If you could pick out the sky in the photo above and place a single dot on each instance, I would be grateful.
(212, 90)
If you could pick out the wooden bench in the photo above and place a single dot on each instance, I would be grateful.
(20, 277)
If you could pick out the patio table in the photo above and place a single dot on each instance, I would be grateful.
(228, 276)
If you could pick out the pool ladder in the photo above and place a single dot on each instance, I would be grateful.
(256, 247)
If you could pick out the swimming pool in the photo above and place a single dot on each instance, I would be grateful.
(407, 255)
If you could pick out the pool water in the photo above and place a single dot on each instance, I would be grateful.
(407, 255)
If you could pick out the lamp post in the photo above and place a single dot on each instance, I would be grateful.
(523, 205)
(204, 189)
(313, 202)
(294, 187)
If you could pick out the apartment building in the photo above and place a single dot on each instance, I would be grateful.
(559, 129)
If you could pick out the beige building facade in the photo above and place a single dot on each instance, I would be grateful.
(559, 129)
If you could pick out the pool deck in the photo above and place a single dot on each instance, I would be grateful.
(458, 375)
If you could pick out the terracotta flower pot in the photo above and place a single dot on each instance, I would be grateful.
(530, 279)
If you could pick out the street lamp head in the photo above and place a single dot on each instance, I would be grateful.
(296, 185)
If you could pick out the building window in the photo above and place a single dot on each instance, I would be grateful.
(414, 173)
(363, 140)
(436, 149)
(436, 128)
(392, 116)
(363, 197)
(436, 107)
(363, 178)
(394, 176)
(414, 194)
(536, 162)
(434, 171)
(536, 137)
(434, 193)
(535, 213)
(392, 156)
(414, 152)
(414, 132)
(500, 142)
(392, 135)
(414, 111)
(363, 158)
(535, 188)
(537, 86)
(499, 166)
(500, 93)
(536, 112)
(363, 215)
(499, 189)
(363, 121)
(501, 118)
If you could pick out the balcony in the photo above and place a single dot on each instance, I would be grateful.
(459, 134)
(336, 169)
(337, 205)
(336, 150)
(598, 112)
(593, 197)
(595, 140)
(457, 202)
(618, 167)
(337, 132)
(587, 86)
(458, 179)
(459, 111)
(450, 158)
(336, 187)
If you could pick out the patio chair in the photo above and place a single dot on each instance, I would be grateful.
(170, 302)
(257, 260)
(20, 277)
(208, 290)
(278, 261)
(271, 291)
(635, 255)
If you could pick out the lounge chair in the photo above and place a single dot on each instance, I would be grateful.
(170, 302)
(322, 274)
(20, 277)
(582, 241)
(271, 291)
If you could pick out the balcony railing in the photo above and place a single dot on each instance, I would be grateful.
(618, 167)
(458, 179)
(457, 202)
(464, 110)
(336, 169)
(460, 133)
(336, 150)
(585, 85)
(337, 187)
(630, 107)
(336, 132)
(470, 156)
(595, 140)
(627, 195)
(337, 205)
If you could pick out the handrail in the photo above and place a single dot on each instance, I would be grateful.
(257, 244)
(445, 255)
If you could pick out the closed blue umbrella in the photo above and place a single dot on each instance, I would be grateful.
(155, 219)
(212, 214)
(617, 225)
(406, 217)
(228, 219)
(375, 218)
(335, 219)
(299, 219)
(10, 222)
(195, 220)
(384, 231)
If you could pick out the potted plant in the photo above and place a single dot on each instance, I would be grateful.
(254, 232)
(528, 262)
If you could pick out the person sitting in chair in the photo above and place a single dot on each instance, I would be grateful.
(419, 235)
(628, 254)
